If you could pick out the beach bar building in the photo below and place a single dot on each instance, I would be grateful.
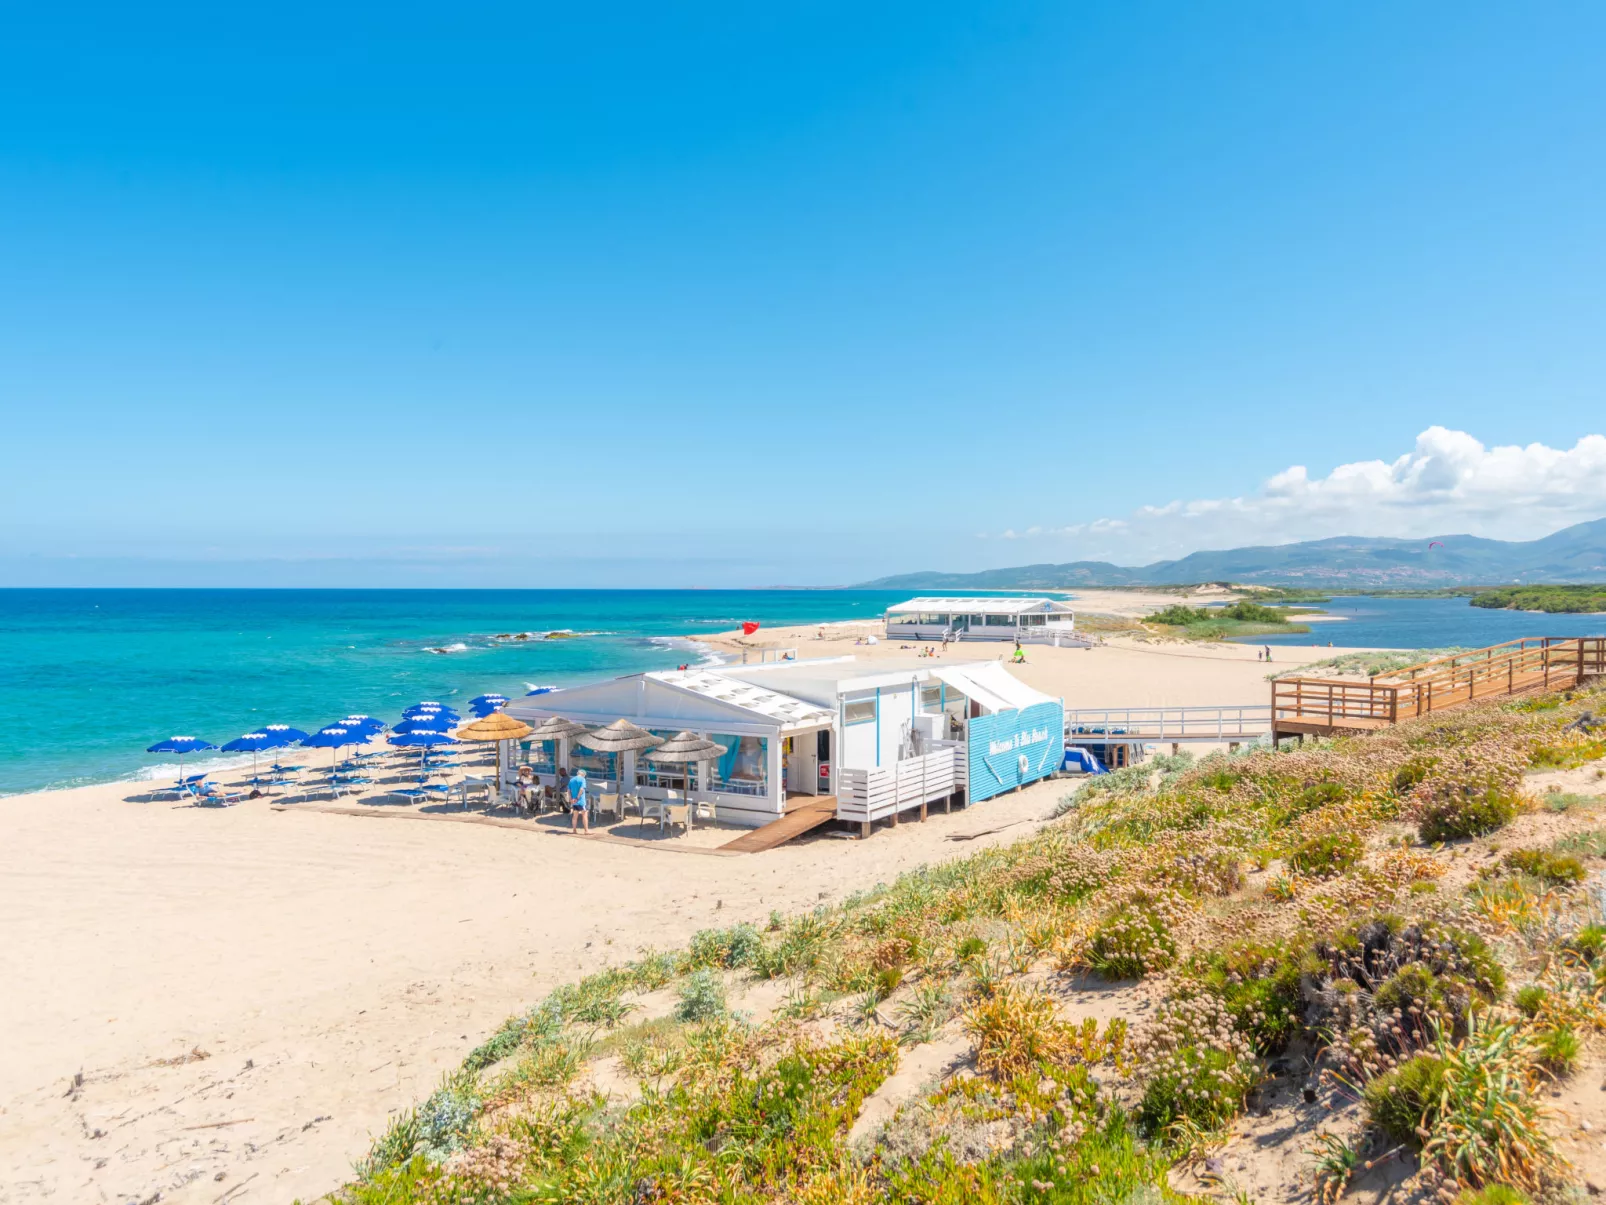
(880, 739)
(1029, 620)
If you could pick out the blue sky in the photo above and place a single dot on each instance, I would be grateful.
(757, 294)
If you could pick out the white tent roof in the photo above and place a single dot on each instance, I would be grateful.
(991, 685)
(788, 710)
(994, 606)
(674, 699)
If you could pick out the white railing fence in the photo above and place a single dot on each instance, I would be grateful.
(1093, 726)
(869, 795)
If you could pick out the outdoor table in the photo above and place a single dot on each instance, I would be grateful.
(474, 780)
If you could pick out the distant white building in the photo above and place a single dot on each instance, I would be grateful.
(1029, 620)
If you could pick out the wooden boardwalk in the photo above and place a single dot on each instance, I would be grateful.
(1323, 706)
(798, 820)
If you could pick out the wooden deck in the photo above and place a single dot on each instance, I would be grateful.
(801, 816)
(1324, 706)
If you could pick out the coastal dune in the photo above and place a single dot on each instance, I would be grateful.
(227, 1004)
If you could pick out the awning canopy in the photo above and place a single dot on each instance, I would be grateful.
(991, 685)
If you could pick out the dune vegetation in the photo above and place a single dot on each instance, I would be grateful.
(1557, 600)
(1242, 618)
(1375, 954)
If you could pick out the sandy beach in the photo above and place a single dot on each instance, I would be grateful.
(249, 993)
(1121, 672)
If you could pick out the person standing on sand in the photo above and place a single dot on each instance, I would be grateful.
(578, 815)
(1268, 652)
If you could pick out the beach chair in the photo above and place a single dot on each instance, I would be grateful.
(415, 794)
(209, 794)
(675, 813)
(609, 803)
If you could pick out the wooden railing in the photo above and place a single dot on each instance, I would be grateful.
(1534, 663)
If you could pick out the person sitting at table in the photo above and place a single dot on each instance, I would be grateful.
(524, 791)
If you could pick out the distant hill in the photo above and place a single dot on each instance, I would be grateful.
(1573, 554)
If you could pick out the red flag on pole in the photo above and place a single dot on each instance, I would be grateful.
(749, 628)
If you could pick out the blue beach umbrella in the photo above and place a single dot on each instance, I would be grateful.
(540, 690)
(428, 709)
(180, 745)
(422, 741)
(291, 735)
(496, 699)
(253, 743)
(423, 723)
(334, 737)
(367, 723)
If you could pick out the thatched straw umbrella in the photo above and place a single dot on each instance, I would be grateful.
(623, 737)
(686, 748)
(499, 728)
(557, 730)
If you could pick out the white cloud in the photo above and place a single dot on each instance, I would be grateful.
(1448, 483)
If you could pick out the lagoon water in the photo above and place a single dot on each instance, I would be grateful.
(1418, 623)
(88, 678)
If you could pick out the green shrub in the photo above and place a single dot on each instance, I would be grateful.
(1554, 869)
(1473, 814)
(1473, 957)
(1589, 943)
(1413, 984)
(1411, 775)
(1259, 981)
(1558, 1050)
(1329, 854)
(1248, 612)
(1179, 616)
(734, 947)
(1320, 794)
(1583, 845)
(1399, 1101)
(1531, 999)
(969, 949)
(1130, 943)
(1493, 1194)
(701, 997)
(1566, 801)
(1205, 1085)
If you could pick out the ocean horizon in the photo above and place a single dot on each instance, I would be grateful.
(99, 674)
(103, 673)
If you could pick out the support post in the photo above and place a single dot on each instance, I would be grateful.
(864, 829)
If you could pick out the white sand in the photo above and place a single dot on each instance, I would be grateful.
(331, 967)
(1123, 672)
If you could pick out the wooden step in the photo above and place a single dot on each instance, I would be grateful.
(794, 824)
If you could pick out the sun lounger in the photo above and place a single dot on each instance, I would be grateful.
(211, 794)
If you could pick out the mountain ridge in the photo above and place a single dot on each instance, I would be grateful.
(1573, 554)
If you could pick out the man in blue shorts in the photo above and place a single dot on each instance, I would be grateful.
(577, 802)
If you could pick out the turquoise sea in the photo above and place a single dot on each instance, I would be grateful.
(89, 678)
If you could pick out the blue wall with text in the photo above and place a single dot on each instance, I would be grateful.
(1011, 748)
